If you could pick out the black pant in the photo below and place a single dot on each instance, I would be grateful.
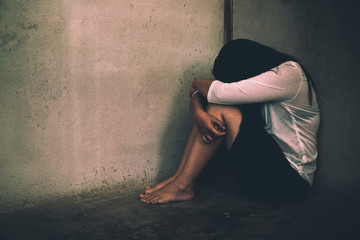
(259, 164)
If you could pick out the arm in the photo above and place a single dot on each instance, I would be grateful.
(202, 85)
(279, 84)
(209, 126)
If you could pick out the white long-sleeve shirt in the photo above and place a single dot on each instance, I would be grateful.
(289, 117)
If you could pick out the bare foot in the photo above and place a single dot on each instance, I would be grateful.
(169, 193)
(149, 189)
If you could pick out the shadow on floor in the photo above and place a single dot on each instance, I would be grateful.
(214, 214)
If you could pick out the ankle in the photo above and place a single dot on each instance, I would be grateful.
(185, 187)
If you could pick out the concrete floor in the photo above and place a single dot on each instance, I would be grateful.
(213, 214)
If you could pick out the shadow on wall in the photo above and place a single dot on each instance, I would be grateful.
(175, 134)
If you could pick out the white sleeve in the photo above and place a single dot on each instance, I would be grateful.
(281, 83)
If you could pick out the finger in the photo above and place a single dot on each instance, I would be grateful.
(215, 133)
(209, 138)
(220, 126)
(219, 134)
(206, 140)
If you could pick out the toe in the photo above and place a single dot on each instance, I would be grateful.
(147, 191)
(154, 200)
(147, 198)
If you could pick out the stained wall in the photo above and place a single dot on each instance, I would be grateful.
(93, 94)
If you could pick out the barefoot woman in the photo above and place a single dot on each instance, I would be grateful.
(264, 109)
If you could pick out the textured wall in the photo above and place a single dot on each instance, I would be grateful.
(324, 35)
(93, 94)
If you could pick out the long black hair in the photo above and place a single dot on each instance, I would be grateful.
(242, 58)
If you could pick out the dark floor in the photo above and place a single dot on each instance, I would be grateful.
(213, 214)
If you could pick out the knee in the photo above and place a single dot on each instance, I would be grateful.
(223, 110)
(231, 117)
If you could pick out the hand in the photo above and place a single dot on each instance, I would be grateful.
(210, 127)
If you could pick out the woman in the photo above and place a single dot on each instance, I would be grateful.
(263, 108)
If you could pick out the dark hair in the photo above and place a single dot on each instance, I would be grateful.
(242, 58)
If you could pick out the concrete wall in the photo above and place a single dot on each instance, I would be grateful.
(324, 35)
(93, 94)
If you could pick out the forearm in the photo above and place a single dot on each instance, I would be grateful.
(209, 126)
(197, 104)
(202, 85)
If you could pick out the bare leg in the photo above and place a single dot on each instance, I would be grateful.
(181, 187)
(181, 165)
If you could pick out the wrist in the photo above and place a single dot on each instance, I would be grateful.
(202, 85)
(192, 91)
(195, 92)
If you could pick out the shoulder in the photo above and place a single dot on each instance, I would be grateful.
(292, 66)
(290, 71)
